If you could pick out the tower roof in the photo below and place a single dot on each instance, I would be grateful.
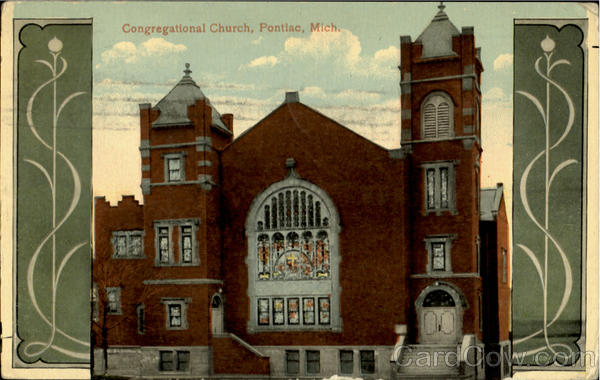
(174, 106)
(437, 36)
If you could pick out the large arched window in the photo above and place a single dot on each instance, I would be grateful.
(437, 116)
(293, 258)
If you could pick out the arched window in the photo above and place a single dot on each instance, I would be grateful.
(437, 116)
(293, 258)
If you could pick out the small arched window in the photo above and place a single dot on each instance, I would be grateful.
(437, 116)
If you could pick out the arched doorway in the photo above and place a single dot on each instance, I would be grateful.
(439, 311)
(217, 315)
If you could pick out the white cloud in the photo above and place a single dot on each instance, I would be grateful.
(257, 41)
(124, 50)
(494, 94)
(322, 45)
(314, 91)
(130, 53)
(342, 49)
(269, 60)
(503, 61)
(357, 95)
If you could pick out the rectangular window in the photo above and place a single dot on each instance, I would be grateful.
(174, 315)
(292, 362)
(313, 362)
(122, 246)
(504, 266)
(278, 315)
(293, 311)
(95, 311)
(308, 311)
(163, 244)
(324, 307)
(166, 361)
(183, 361)
(263, 311)
(439, 256)
(367, 362)
(174, 169)
(444, 187)
(439, 186)
(174, 361)
(186, 244)
(135, 245)
(141, 319)
(113, 296)
(346, 362)
(127, 244)
(431, 189)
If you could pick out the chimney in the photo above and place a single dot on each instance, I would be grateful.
(292, 97)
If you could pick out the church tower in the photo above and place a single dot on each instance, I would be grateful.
(440, 132)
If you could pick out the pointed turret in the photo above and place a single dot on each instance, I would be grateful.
(437, 36)
(174, 106)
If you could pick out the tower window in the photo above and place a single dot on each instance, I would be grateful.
(440, 186)
(438, 250)
(437, 116)
(174, 167)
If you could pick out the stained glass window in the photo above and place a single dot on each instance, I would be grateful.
(122, 246)
(444, 187)
(264, 272)
(174, 315)
(163, 244)
(439, 256)
(321, 262)
(135, 247)
(308, 311)
(113, 295)
(293, 311)
(294, 244)
(296, 209)
(263, 311)
(278, 315)
(438, 298)
(310, 211)
(439, 186)
(430, 188)
(186, 244)
(324, 308)
(127, 244)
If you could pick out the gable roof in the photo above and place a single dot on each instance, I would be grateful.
(490, 202)
(292, 104)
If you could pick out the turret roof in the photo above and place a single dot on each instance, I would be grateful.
(437, 36)
(174, 106)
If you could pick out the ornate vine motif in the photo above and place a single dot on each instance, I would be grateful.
(34, 349)
(542, 221)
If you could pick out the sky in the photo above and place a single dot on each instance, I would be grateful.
(350, 75)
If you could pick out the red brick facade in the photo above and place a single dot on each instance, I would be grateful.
(389, 233)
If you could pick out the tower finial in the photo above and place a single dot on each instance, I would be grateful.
(187, 70)
(441, 6)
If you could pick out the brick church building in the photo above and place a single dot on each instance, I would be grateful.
(300, 249)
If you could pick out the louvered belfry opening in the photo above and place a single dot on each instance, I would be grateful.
(437, 120)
